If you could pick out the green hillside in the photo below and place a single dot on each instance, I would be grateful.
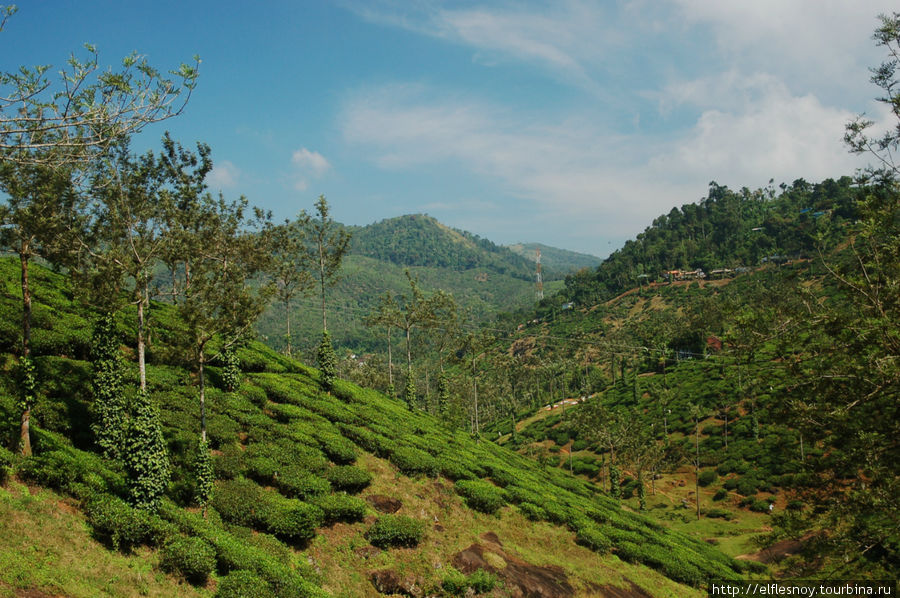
(484, 279)
(303, 483)
(753, 389)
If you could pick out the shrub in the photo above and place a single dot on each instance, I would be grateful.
(721, 494)
(192, 558)
(395, 530)
(532, 511)
(454, 470)
(243, 584)
(348, 478)
(229, 464)
(707, 477)
(591, 536)
(413, 461)
(298, 483)
(482, 581)
(116, 523)
(238, 501)
(455, 583)
(341, 507)
(340, 450)
(719, 514)
(6, 465)
(481, 496)
(293, 519)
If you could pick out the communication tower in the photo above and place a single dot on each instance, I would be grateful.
(539, 278)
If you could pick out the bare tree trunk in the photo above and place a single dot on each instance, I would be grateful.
(475, 387)
(26, 304)
(25, 428)
(287, 312)
(390, 359)
(202, 401)
(142, 364)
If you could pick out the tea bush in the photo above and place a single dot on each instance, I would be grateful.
(395, 530)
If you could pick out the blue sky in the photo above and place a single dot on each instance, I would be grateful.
(571, 123)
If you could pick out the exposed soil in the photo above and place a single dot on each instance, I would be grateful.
(384, 504)
(774, 553)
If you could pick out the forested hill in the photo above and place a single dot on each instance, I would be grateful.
(554, 259)
(727, 229)
(420, 240)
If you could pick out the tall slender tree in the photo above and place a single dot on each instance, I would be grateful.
(39, 210)
(290, 266)
(220, 305)
(328, 242)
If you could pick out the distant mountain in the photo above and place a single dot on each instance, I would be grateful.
(420, 240)
(484, 278)
(556, 261)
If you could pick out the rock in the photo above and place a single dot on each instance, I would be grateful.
(521, 579)
(388, 581)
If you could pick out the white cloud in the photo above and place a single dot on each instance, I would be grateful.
(224, 175)
(308, 165)
(571, 170)
(309, 161)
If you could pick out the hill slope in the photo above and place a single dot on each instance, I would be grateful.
(484, 278)
(303, 479)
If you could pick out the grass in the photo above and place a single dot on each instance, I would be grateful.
(46, 546)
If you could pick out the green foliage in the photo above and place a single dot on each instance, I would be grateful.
(110, 407)
(191, 558)
(409, 393)
(348, 478)
(707, 477)
(390, 531)
(243, 584)
(123, 527)
(480, 581)
(481, 496)
(231, 370)
(205, 474)
(145, 457)
(591, 536)
(340, 507)
(7, 460)
(327, 361)
(244, 503)
(412, 461)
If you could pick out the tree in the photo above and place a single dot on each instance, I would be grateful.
(128, 236)
(386, 314)
(71, 119)
(847, 367)
(329, 243)
(290, 259)
(220, 304)
(475, 345)
(39, 210)
(882, 147)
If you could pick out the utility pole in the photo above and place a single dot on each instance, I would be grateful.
(539, 278)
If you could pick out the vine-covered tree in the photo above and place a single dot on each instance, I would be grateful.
(39, 210)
